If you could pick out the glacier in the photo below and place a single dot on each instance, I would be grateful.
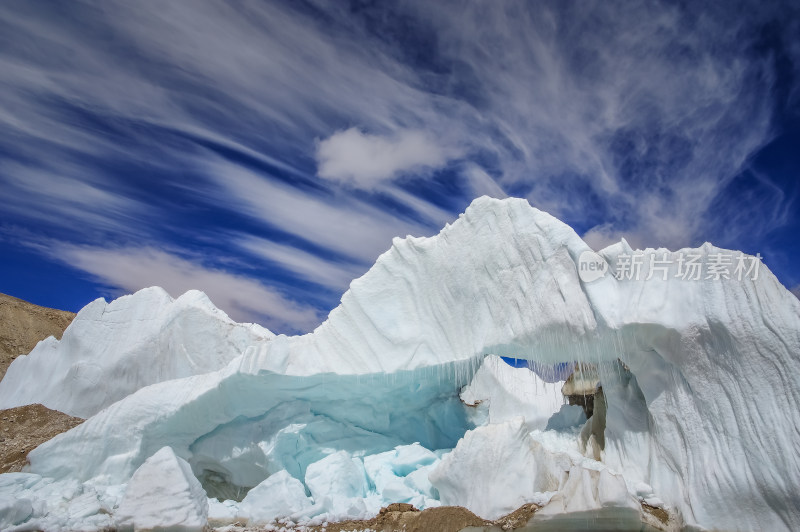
(400, 395)
(110, 350)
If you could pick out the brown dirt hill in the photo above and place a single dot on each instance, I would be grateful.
(24, 428)
(23, 325)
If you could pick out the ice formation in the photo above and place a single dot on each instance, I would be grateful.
(396, 397)
(110, 350)
(499, 392)
(478, 473)
(163, 494)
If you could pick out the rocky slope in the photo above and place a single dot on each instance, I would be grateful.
(23, 325)
(24, 428)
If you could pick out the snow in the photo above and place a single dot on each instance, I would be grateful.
(401, 475)
(397, 397)
(14, 511)
(597, 495)
(337, 474)
(110, 350)
(279, 495)
(163, 494)
(497, 468)
(499, 392)
(52, 504)
(566, 417)
(220, 513)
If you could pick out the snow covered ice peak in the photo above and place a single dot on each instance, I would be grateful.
(697, 385)
(110, 350)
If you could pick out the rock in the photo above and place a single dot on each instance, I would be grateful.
(593, 434)
(398, 507)
(33, 425)
(580, 387)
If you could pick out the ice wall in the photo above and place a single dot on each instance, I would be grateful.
(110, 350)
(246, 425)
(700, 377)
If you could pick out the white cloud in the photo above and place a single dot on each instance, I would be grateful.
(796, 291)
(335, 275)
(354, 157)
(601, 236)
(482, 183)
(126, 270)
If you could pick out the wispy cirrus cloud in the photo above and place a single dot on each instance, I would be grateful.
(332, 274)
(126, 270)
(328, 219)
(317, 132)
(68, 196)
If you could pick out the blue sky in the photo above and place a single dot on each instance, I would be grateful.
(268, 152)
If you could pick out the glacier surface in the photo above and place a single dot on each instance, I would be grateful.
(400, 396)
(163, 494)
(110, 350)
